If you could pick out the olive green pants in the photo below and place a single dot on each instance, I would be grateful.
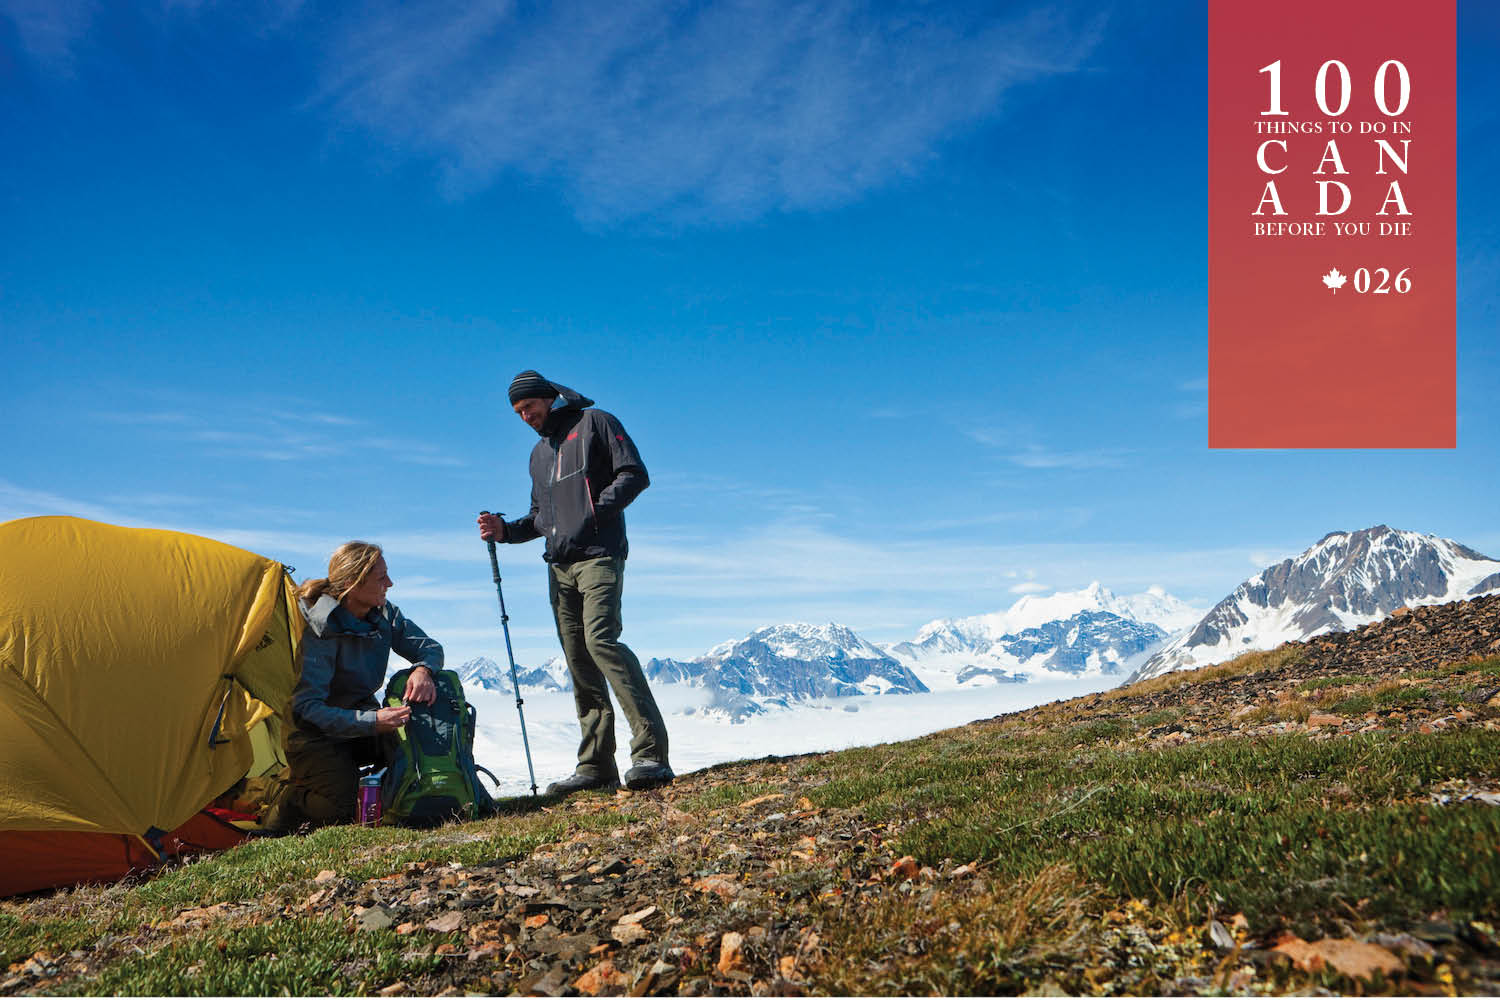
(323, 781)
(586, 604)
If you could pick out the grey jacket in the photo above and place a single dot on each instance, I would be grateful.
(344, 663)
(584, 471)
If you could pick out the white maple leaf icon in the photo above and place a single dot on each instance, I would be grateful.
(1334, 280)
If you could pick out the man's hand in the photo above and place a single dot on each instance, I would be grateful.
(491, 528)
(419, 686)
(391, 718)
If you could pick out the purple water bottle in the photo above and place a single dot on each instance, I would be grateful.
(369, 800)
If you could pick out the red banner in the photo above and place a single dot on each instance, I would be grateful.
(1331, 215)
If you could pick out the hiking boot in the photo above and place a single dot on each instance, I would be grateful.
(648, 775)
(579, 781)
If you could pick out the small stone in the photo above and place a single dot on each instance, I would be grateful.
(905, 867)
(636, 917)
(719, 884)
(629, 934)
(551, 984)
(449, 921)
(1220, 936)
(600, 977)
(376, 919)
(1324, 719)
(325, 876)
(1406, 943)
(406, 928)
(731, 953)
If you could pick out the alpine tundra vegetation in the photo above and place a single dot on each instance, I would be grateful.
(1321, 816)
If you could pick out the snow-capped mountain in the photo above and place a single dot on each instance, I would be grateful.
(1090, 631)
(481, 672)
(1346, 579)
(552, 676)
(784, 663)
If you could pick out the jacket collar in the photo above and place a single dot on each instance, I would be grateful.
(328, 617)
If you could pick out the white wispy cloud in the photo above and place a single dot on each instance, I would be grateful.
(280, 436)
(1020, 445)
(712, 112)
(17, 501)
(1039, 457)
(48, 29)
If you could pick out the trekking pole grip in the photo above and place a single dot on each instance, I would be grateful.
(494, 559)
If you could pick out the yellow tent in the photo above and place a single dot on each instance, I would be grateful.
(143, 674)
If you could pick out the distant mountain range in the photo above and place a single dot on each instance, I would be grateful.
(481, 672)
(1345, 580)
(779, 664)
(1091, 631)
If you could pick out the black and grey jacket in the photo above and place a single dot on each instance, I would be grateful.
(584, 471)
(344, 665)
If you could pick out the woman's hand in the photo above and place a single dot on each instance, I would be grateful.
(391, 718)
(419, 686)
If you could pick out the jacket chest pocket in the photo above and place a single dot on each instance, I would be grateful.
(572, 460)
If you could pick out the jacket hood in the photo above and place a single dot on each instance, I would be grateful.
(569, 401)
(328, 617)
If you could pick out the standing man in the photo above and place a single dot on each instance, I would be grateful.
(584, 472)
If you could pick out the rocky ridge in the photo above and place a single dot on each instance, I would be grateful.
(1344, 580)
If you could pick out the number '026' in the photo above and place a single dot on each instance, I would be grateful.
(1379, 281)
(1320, 88)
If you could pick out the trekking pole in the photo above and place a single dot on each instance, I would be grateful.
(515, 681)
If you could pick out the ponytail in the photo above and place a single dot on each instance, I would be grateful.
(347, 567)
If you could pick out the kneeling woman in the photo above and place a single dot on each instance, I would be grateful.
(336, 714)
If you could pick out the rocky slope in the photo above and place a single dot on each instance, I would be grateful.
(1345, 580)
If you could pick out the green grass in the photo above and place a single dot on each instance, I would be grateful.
(286, 865)
(1488, 667)
(308, 957)
(1260, 825)
(1354, 705)
(1158, 717)
(1335, 681)
(726, 795)
(1100, 731)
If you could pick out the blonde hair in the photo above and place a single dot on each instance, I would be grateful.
(347, 567)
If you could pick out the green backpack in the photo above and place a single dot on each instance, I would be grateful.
(432, 776)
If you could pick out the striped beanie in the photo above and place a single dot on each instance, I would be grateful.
(530, 385)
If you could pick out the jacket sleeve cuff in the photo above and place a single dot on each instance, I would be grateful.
(366, 719)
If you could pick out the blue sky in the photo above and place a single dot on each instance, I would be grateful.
(904, 304)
